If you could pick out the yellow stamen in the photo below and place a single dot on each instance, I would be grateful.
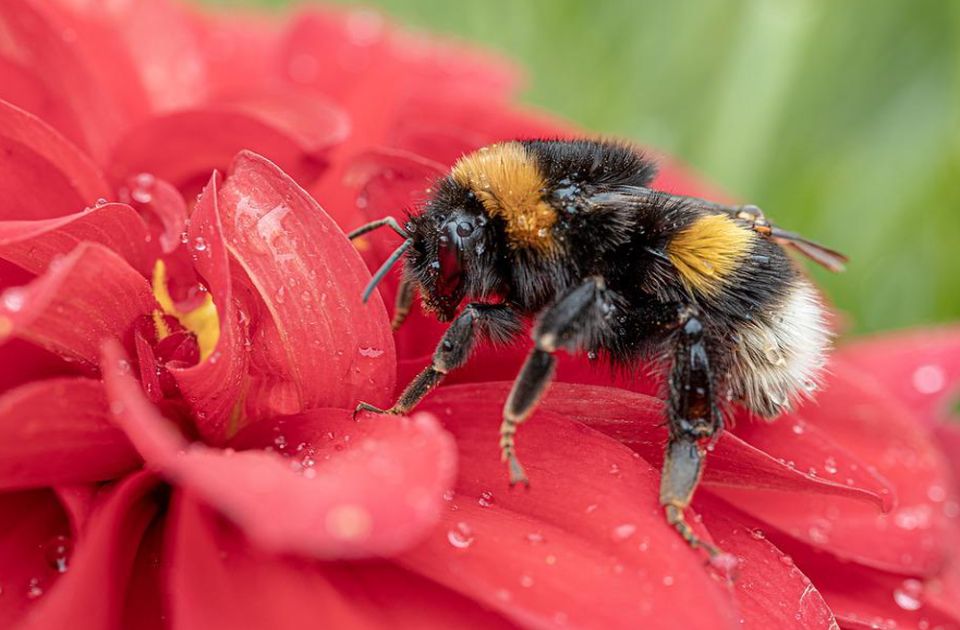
(203, 321)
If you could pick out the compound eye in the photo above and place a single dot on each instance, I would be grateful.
(449, 258)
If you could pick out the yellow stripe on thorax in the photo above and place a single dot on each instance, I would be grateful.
(707, 251)
(509, 184)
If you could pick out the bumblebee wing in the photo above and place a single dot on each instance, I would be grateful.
(823, 256)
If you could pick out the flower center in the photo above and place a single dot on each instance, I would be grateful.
(203, 321)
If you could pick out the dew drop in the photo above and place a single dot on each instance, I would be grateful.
(614, 469)
(757, 534)
(448, 495)
(592, 355)
(526, 581)
(624, 531)
(936, 494)
(786, 560)
(370, 353)
(200, 244)
(668, 580)
(798, 428)
(142, 190)
(830, 465)
(101, 202)
(280, 441)
(57, 553)
(591, 508)
(929, 379)
(908, 595)
(13, 299)
(535, 538)
(460, 536)
(34, 590)
(486, 499)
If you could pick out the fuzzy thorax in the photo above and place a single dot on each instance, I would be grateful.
(507, 180)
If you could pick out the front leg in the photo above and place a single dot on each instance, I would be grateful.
(497, 321)
(568, 323)
(693, 419)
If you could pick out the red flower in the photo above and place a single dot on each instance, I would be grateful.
(177, 446)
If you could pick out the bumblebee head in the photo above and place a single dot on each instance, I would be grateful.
(453, 250)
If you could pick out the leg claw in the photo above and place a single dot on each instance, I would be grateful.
(372, 409)
(517, 474)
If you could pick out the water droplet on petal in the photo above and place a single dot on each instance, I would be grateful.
(726, 563)
(448, 495)
(370, 353)
(908, 595)
(57, 553)
(757, 534)
(830, 465)
(526, 581)
(668, 580)
(929, 379)
(460, 536)
(535, 538)
(13, 299)
(101, 202)
(624, 531)
(486, 499)
(798, 428)
(200, 244)
(34, 590)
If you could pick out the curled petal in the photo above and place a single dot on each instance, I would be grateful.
(87, 296)
(34, 244)
(59, 431)
(33, 523)
(333, 349)
(373, 496)
(214, 387)
(101, 563)
(921, 368)
(42, 174)
(587, 545)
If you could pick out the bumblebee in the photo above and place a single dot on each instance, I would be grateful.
(570, 234)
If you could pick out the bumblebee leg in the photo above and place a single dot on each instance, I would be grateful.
(401, 307)
(693, 420)
(495, 320)
(560, 325)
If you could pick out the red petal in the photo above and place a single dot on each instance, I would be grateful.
(771, 590)
(34, 244)
(69, 67)
(638, 421)
(43, 175)
(30, 523)
(376, 497)
(161, 206)
(184, 147)
(875, 428)
(22, 362)
(586, 545)
(160, 45)
(214, 387)
(217, 581)
(920, 367)
(87, 296)
(861, 597)
(100, 566)
(334, 349)
(59, 431)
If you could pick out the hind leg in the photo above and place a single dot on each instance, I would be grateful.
(693, 420)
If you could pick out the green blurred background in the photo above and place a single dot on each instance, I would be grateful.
(840, 119)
